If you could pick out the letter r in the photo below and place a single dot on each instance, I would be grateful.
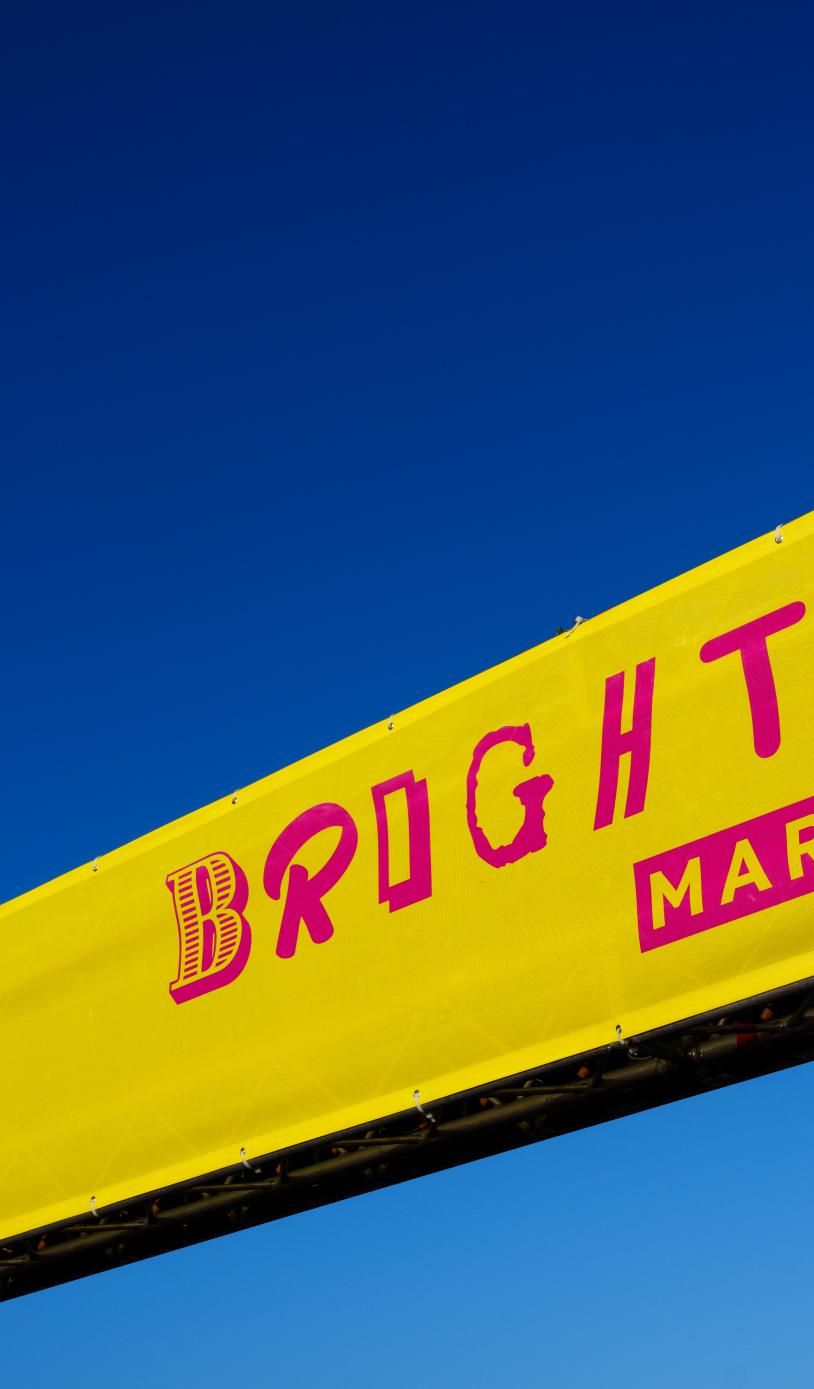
(304, 894)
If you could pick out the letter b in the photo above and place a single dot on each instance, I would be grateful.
(214, 937)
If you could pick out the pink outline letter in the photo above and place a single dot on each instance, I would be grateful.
(303, 900)
(214, 937)
(419, 884)
(531, 836)
(635, 741)
(750, 640)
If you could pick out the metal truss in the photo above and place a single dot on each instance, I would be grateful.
(745, 1040)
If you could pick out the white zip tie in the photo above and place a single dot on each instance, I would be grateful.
(577, 622)
(247, 1164)
(778, 535)
(419, 1106)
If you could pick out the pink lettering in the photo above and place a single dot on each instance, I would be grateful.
(724, 876)
(750, 640)
(531, 794)
(303, 901)
(615, 743)
(214, 937)
(419, 883)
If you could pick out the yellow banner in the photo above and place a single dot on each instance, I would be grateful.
(605, 835)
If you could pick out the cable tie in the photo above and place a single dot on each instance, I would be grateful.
(422, 1111)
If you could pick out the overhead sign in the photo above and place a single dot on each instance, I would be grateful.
(605, 835)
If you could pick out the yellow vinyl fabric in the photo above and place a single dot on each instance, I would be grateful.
(112, 1086)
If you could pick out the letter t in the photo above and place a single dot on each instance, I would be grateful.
(750, 641)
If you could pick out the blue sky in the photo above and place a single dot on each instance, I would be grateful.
(394, 336)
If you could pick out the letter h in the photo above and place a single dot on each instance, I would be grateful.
(635, 741)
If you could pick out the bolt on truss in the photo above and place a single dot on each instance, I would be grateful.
(737, 1043)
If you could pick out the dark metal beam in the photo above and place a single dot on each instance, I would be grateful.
(737, 1043)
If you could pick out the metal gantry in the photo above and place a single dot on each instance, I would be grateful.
(737, 1043)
